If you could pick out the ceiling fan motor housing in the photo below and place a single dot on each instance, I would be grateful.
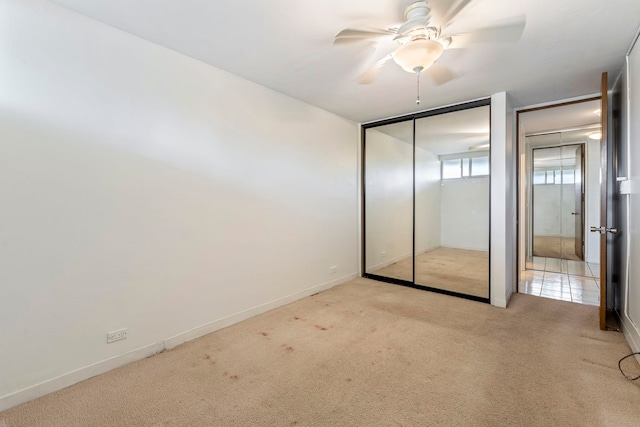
(417, 24)
(417, 10)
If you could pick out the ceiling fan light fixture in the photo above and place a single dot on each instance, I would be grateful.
(417, 55)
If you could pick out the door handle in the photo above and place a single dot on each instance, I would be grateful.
(604, 230)
(575, 213)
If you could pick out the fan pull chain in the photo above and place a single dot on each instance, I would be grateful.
(418, 95)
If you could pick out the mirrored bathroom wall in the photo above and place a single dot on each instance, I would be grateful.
(562, 193)
(558, 198)
(427, 201)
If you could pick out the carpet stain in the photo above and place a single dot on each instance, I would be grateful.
(208, 357)
(601, 365)
(296, 318)
(348, 380)
(234, 377)
(604, 340)
(289, 349)
(264, 334)
(322, 328)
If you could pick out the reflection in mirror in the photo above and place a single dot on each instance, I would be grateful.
(452, 201)
(557, 202)
(562, 194)
(389, 201)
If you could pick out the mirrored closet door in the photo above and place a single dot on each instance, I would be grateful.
(426, 201)
(388, 181)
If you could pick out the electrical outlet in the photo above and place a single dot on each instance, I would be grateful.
(116, 335)
(383, 254)
(333, 269)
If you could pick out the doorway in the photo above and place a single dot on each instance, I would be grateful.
(559, 197)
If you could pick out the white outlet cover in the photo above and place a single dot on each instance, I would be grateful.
(118, 335)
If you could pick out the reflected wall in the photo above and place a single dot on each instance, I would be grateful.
(389, 203)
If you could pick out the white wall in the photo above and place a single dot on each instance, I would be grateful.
(503, 201)
(465, 213)
(388, 200)
(630, 303)
(143, 189)
(553, 205)
(428, 196)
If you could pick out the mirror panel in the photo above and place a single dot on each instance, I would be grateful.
(452, 201)
(388, 178)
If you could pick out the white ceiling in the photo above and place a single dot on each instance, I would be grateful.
(582, 114)
(448, 133)
(286, 45)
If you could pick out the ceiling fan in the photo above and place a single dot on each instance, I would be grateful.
(422, 38)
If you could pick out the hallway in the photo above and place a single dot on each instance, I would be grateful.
(566, 280)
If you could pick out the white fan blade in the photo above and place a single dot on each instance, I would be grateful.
(368, 76)
(454, 11)
(349, 35)
(349, 32)
(505, 33)
(352, 40)
(440, 74)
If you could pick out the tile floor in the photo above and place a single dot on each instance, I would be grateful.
(566, 280)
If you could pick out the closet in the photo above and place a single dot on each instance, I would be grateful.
(426, 200)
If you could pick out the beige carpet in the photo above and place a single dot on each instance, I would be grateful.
(370, 354)
(555, 247)
(457, 270)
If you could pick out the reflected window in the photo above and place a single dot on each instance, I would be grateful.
(464, 167)
(568, 176)
(550, 177)
(554, 177)
(539, 177)
(480, 166)
(451, 169)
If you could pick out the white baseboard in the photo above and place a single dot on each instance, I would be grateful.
(239, 317)
(65, 380)
(467, 248)
(500, 302)
(387, 263)
(631, 333)
(430, 248)
(399, 258)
